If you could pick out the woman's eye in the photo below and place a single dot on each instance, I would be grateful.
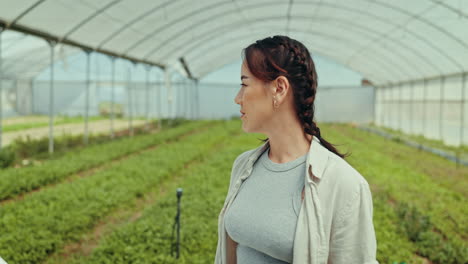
(242, 84)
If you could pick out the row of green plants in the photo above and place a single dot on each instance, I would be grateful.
(17, 181)
(444, 172)
(393, 246)
(392, 167)
(45, 221)
(151, 239)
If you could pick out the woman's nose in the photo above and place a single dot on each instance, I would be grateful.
(237, 99)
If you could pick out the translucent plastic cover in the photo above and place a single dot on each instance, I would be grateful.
(386, 41)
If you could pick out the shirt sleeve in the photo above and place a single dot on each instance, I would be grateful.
(353, 237)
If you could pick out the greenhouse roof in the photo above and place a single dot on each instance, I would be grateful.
(385, 41)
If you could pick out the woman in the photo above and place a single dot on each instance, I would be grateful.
(294, 199)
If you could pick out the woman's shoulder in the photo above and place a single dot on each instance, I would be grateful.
(340, 174)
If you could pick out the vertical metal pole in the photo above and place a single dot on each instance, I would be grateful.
(180, 96)
(1, 89)
(382, 107)
(194, 94)
(177, 98)
(31, 92)
(167, 79)
(147, 68)
(390, 107)
(374, 105)
(384, 91)
(129, 96)
(441, 109)
(51, 96)
(411, 115)
(385, 106)
(112, 106)
(175, 106)
(390, 104)
(158, 100)
(191, 100)
(400, 106)
(392, 115)
(88, 83)
(377, 101)
(462, 109)
(197, 101)
(187, 98)
(424, 108)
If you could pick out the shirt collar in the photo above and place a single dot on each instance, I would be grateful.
(318, 156)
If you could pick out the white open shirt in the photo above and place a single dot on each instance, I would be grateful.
(335, 219)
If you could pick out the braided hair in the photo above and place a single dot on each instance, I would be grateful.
(269, 58)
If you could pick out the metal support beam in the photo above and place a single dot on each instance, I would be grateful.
(1, 89)
(186, 68)
(51, 96)
(158, 100)
(112, 105)
(441, 114)
(88, 84)
(53, 38)
(129, 96)
(385, 107)
(400, 106)
(187, 99)
(192, 99)
(167, 81)
(382, 105)
(424, 108)
(391, 112)
(411, 115)
(183, 98)
(197, 116)
(147, 68)
(462, 109)
(374, 106)
(177, 99)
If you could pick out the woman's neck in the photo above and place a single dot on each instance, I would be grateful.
(288, 143)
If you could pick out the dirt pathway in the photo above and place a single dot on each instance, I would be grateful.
(95, 127)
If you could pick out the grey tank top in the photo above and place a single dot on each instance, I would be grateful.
(262, 218)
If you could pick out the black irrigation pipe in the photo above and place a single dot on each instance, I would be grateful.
(419, 146)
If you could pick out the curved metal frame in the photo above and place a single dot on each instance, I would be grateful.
(336, 58)
(175, 21)
(191, 26)
(133, 21)
(306, 32)
(212, 34)
(371, 76)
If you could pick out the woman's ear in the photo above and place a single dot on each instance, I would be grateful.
(281, 88)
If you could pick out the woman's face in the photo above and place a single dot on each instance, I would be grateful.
(256, 102)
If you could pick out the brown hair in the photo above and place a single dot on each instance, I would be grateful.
(277, 56)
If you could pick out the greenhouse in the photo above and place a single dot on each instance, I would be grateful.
(108, 107)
